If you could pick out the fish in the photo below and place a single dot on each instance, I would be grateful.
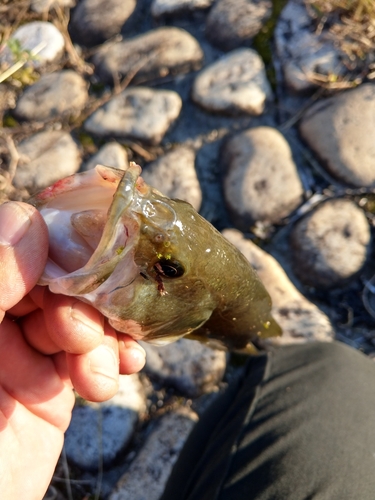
(150, 264)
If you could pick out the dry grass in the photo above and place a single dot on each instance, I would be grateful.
(350, 24)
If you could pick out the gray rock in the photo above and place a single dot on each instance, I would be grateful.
(94, 21)
(161, 8)
(55, 95)
(39, 35)
(188, 365)
(138, 113)
(261, 182)
(45, 158)
(111, 154)
(300, 319)
(232, 23)
(302, 52)
(41, 6)
(236, 83)
(330, 244)
(174, 175)
(340, 131)
(100, 431)
(155, 54)
(148, 474)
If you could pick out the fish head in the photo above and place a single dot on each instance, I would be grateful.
(131, 252)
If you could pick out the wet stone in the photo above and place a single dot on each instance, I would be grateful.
(261, 182)
(41, 6)
(189, 366)
(233, 23)
(236, 83)
(155, 54)
(55, 95)
(100, 431)
(161, 8)
(138, 113)
(45, 158)
(340, 132)
(94, 21)
(111, 154)
(303, 52)
(174, 175)
(330, 244)
(39, 35)
(147, 475)
(300, 319)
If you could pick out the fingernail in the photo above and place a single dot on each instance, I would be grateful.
(81, 312)
(14, 222)
(136, 350)
(103, 361)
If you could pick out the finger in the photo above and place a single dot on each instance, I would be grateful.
(132, 355)
(95, 375)
(74, 326)
(23, 251)
(35, 332)
(31, 378)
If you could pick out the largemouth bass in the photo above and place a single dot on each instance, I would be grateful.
(153, 266)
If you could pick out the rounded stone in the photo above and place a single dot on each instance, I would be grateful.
(45, 158)
(300, 320)
(236, 83)
(55, 95)
(340, 132)
(94, 21)
(302, 51)
(161, 8)
(41, 6)
(330, 244)
(261, 181)
(155, 54)
(174, 175)
(189, 366)
(100, 431)
(137, 113)
(37, 35)
(232, 23)
(111, 154)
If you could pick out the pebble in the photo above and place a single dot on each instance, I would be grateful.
(45, 158)
(155, 54)
(261, 181)
(174, 175)
(234, 84)
(232, 23)
(300, 319)
(330, 244)
(41, 6)
(189, 366)
(39, 35)
(138, 113)
(302, 52)
(161, 8)
(94, 21)
(148, 473)
(55, 95)
(98, 432)
(339, 131)
(111, 154)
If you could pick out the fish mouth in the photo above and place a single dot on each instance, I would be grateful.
(94, 246)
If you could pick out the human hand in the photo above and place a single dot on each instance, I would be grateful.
(48, 344)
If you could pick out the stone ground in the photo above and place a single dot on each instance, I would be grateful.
(261, 115)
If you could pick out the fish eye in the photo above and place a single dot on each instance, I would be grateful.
(169, 268)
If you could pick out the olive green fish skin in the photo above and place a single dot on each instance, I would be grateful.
(182, 277)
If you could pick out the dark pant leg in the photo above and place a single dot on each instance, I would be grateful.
(299, 424)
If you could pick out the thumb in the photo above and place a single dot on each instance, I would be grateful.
(23, 251)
